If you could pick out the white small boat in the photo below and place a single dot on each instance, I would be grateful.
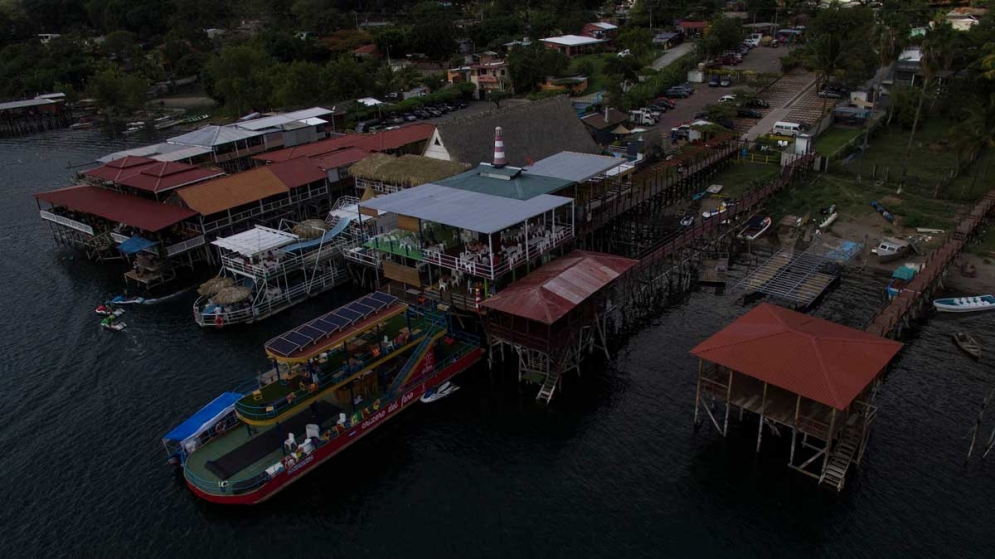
(710, 214)
(439, 392)
(755, 228)
(830, 219)
(714, 189)
(687, 220)
(890, 249)
(107, 310)
(965, 304)
(968, 344)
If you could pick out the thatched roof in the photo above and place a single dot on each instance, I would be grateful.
(310, 228)
(532, 131)
(215, 284)
(407, 170)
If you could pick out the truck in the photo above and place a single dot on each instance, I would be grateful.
(642, 117)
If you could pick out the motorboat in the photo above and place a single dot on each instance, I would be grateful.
(712, 213)
(965, 304)
(755, 228)
(108, 310)
(890, 249)
(439, 392)
(830, 219)
(968, 344)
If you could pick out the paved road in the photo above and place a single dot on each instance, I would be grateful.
(671, 55)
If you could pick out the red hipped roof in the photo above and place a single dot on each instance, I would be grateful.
(151, 175)
(381, 141)
(297, 172)
(115, 206)
(341, 158)
(553, 290)
(818, 359)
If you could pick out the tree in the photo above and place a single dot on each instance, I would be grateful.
(637, 40)
(117, 92)
(496, 96)
(887, 42)
(240, 78)
(974, 134)
(720, 111)
(722, 34)
(296, 84)
(530, 65)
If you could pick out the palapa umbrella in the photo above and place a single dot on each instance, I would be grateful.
(232, 294)
(310, 228)
(213, 285)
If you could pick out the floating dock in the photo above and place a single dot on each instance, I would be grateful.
(798, 279)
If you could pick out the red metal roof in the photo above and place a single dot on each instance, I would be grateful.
(820, 360)
(162, 176)
(553, 290)
(381, 141)
(297, 172)
(115, 206)
(341, 158)
(118, 169)
(694, 24)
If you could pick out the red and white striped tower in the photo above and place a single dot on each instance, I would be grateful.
(498, 148)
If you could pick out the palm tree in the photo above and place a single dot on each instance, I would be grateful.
(974, 134)
(828, 56)
(887, 43)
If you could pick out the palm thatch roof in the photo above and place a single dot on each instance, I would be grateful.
(233, 294)
(310, 228)
(532, 131)
(215, 284)
(407, 170)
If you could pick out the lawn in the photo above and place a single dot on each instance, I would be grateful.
(742, 176)
(834, 138)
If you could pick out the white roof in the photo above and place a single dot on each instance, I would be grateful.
(159, 152)
(604, 25)
(911, 54)
(572, 40)
(25, 103)
(466, 209)
(277, 121)
(254, 241)
(213, 135)
(314, 121)
(571, 166)
(369, 101)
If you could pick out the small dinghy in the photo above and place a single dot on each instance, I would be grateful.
(965, 304)
(107, 310)
(830, 219)
(714, 189)
(687, 220)
(755, 228)
(112, 323)
(122, 300)
(710, 214)
(439, 392)
(967, 343)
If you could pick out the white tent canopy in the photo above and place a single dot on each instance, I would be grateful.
(254, 241)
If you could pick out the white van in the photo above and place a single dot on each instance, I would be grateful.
(787, 129)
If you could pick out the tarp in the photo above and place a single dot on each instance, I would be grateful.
(135, 245)
(204, 419)
(904, 273)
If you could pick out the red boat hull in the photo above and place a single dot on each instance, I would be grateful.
(320, 455)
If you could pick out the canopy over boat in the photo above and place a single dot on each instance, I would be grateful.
(203, 420)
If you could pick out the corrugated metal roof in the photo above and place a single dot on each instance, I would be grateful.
(820, 360)
(162, 176)
(213, 135)
(297, 172)
(553, 290)
(115, 206)
(466, 209)
(160, 152)
(276, 121)
(520, 186)
(572, 40)
(25, 103)
(341, 158)
(255, 240)
(574, 167)
(218, 195)
(381, 141)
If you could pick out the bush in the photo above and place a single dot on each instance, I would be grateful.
(789, 62)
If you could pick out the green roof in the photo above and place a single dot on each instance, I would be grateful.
(508, 182)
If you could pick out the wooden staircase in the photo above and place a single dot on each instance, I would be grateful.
(552, 379)
(842, 456)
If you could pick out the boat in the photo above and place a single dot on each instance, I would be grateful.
(124, 300)
(829, 220)
(81, 125)
(195, 119)
(883, 211)
(755, 228)
(965, 304)
(967, 343)
(712, 213)
(687, 220)
(107, 310)
(112, 323)
(435, 394)
(699, 195)
(901, 277)
(334, 380)
(265, 271)
(890, 248)
(714, 189)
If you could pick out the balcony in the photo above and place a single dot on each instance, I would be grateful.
(66, 222)
(262, 270)
(189, 244)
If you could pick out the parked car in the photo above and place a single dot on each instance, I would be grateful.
(725, 81)
(700, 115)
(658, 108)
(757, 104)
(727, 99)
(395, 120)
(830, 94)
(678, 93)
(713, 81)
(749, 113)
(410, 117)
(665, 102)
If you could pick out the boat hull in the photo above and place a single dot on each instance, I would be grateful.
(281, 480)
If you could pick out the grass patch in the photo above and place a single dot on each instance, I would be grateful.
(833, 138)
(742, 176)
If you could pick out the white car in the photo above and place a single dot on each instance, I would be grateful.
(624, 53)
(727, 99)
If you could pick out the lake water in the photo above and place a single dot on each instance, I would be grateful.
(611, 469)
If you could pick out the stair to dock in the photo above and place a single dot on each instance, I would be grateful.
(549, 386)
(841, 458)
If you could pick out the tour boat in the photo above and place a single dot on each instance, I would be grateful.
(968, 344)
(435, 394)
(755, 228)
(965, 304)
(334, 380)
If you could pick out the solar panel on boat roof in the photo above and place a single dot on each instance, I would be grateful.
(382, 298)
(311, 332)
(296, 337)
(335, 320)
(281, 346)
(325, 328)
(362, 309)
(350, 315)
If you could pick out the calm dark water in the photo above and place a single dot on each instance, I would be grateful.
(611, 469)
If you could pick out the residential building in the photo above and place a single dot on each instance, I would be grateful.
(693, 29)
(601, 124)
(574, 45)
(486, 76)
(600, 30)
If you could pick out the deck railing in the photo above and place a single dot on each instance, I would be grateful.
(280, 203)
(181, 247)
(118, 238)
(66, 222)
(287, 263)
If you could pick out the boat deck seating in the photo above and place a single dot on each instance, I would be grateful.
(260, 446)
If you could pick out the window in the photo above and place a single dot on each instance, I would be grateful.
(502, 72)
